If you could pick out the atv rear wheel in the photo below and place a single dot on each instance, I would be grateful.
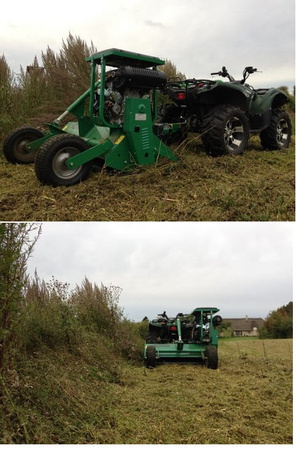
(226, 130)
(50, 163)
(211, 355)
(151, 356)
(278, 134)
(15, 145)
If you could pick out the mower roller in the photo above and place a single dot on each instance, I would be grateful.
(191, 337)
(114, 126)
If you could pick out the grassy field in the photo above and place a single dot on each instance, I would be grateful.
(248, 400)
(256, 186)
(68, 399)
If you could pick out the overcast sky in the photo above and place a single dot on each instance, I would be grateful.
(241, 268)
(198, 36)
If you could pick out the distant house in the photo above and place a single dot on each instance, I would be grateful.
(245, 327)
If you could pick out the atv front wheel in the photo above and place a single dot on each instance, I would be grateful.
(226, 130)
(278, 134)
(50, 163)
(211, 355)
(15, 145)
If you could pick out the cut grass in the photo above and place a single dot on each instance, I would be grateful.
(246, 401)
(59, 398)
(256, 186)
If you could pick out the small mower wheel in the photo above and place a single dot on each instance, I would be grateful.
(278, 134)
(50, 163)
(151, 356)
(14, 147)
(211, 355)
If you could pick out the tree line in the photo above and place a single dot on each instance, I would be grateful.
(278, 324)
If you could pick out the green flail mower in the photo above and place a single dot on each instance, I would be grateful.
(192, 337)
(113, 126)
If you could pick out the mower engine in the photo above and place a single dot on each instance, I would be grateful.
(127, 82)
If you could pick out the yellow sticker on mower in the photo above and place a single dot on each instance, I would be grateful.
(119, 139)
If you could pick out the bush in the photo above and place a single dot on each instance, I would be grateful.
(278, 324)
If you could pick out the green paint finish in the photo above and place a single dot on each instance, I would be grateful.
(115, 57)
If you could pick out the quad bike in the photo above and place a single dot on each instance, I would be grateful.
(191, 337)
(226, 112)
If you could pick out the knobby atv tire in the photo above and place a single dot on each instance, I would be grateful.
(14, 147)
(225, 130)
(151, 356)
(211, 355)
(50, 163)
(278, 134)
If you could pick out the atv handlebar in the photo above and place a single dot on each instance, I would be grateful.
(164, 315)
(247, 71)
(223, 73)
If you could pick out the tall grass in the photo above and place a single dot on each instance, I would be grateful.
(42, 91)
(67, 345)
(54, 317)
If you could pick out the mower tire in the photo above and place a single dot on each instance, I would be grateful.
(211, 355)
(225, 130)
(50, 163)
(14, 147)
(278, 134)
(151, 356)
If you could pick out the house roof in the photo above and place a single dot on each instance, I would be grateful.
(245, 324)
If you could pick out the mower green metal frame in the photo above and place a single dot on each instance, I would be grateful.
(180, 350)
(121, 146)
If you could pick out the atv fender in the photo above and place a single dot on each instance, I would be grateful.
(267, 99)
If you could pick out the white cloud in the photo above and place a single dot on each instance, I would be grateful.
(242, 268)
(198, 36)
